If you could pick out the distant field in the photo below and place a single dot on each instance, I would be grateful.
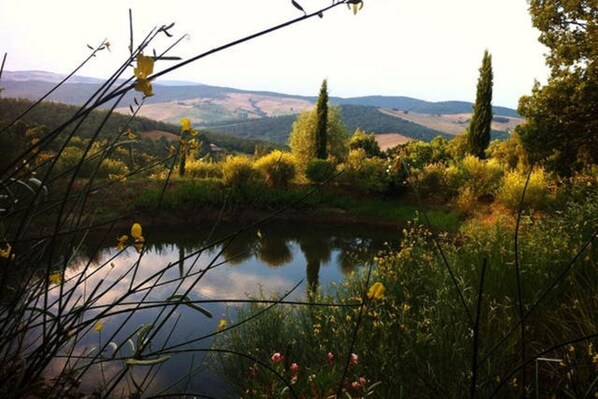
(157, 134)
(452, 124)
(389, 140)
(231, 106)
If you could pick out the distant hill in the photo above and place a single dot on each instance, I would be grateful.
(260, 114)
(51, 115)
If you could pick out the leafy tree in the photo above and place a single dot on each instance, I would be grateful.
(478, 135)
(322, 122)
(562, 124)
(365, 141)
(302, 139)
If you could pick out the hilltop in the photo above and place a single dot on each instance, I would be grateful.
(265, 115)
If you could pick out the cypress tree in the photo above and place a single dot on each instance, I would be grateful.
(478, 134)
(322, 122)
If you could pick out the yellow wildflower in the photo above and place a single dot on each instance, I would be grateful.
(185, 124)
(137, 232)
(145, 67)
(5, 252)
(222, 325)
(98, 327)
(122, 242)
(55, 278)
(131, 135)
(376, 291)
(145, 87)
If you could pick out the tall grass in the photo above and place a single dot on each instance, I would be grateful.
(450, 322)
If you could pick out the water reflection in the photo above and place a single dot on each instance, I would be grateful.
(181, 260)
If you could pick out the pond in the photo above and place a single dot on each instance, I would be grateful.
(131, 290)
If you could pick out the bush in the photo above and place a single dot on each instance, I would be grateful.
(112, 167)
(203, 169)
(511, 188)
(482, 177)
(238, 172)
(277, 167)
(430, 181)
(509, 152)
(319, 170)
(366, 174)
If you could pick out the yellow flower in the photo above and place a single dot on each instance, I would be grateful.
(137, 232)
(98, 327)
(144, 68)
(222, 325)
(122, 242)
(131, 135)
(145, 87)
(55, 278)
(5, 252)
(376, 291)
(185, 124)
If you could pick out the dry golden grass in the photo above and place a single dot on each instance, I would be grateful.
(389, 140)
(451, 124)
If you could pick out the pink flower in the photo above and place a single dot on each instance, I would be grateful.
(355, 385)
(277, 357)
(362, 380)
(353, 359)
(330, 357)
(294, 368)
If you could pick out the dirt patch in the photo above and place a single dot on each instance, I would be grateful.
(389, 140)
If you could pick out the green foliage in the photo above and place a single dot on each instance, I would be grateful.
(303, 137)
(322, 122)
(320, 170)
(429, 182)
(561, 128)
(417, 339)
(277, 167)
(536, 194)
(481, 176)
(202, 169)
(458, 147)
(238, 172)
(509, 152)
(417, 154)
(112, 167)
(364, 173)
(365, 141)
(478, 134)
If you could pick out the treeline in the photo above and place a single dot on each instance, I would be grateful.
(370, 119)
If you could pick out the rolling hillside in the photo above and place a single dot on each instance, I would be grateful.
(265, 115)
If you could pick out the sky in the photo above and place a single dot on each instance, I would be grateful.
(427, 49)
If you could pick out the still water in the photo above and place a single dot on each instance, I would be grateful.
(206, 266)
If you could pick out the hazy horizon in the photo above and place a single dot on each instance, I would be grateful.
(427, 50)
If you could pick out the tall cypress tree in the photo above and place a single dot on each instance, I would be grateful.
(322, 122)
(478, 134)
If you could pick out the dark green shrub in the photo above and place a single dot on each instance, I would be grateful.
(319, 170)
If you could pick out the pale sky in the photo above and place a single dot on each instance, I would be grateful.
(427, 49)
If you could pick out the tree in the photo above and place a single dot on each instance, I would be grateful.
(302, 139)
(561, 128)
(478, 134)
(322, 122)
(365, 141)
